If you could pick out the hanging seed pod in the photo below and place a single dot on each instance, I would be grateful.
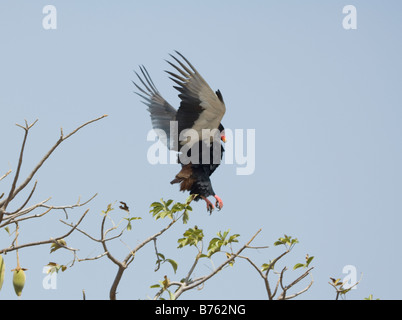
(2, 270)
(19, 280)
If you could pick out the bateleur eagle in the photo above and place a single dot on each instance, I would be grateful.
(200, 108)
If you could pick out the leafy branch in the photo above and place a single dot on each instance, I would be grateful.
(342, 288)
(289, 243)
(194, 237)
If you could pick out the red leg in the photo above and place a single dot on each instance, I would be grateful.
(210, 206)
(219, 202)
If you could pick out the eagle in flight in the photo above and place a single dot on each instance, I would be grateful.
(201, 110)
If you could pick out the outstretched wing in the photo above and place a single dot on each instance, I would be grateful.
(162, 113)
(200, 107)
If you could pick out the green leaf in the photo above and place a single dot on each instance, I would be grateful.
(233, 238)
(266, 266)
(108, 209)
(173, 264)
(156, 204)
(56, 246)
(155, 286)
(55, 267)
(344, 291)
(190, 198)
(336, 282)
(287, 241)
(161, 209)
(162, 256)
(165, 283)
(213, 243)
(186, 216)
(156, 208)
(231, 263)
(177, 207)
(309, 261)
(216, 244)
(133, 218)
(129, 225)
(298, 265)
(191, 237)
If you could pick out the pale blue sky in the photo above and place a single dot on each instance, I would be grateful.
(325, 103)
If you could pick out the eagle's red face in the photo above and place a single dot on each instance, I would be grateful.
(223, 137)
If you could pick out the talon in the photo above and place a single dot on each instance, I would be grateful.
(210, 206)
(219, 202)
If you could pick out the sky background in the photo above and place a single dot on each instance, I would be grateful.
(325, 104)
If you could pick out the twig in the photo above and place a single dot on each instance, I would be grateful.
(14, 218)
(158, 261)
(286, 288)
(122, 265)
(26, 201)
(77, 205)
(343, 290)
(93, 258)
(5, 175)
(6, 201)
(52, 240)
(10, 218)
(17, 173)
(305, 289)
(187, 286)
(264, 277)
(15, 190)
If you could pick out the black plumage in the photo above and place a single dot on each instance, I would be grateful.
(202, 185)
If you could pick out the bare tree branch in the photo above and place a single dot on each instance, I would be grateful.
(15, 190)
(51, 240)
(305, 289)
(11, 218)
(264, 277)
(283, 296)
(26, 201)
(6, 201)
(130, 257)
